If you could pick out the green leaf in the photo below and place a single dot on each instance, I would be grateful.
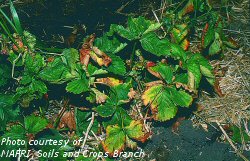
(194, 76)
(108, 45)
(56, 72)
(38, 86)
(106, 110)
(93, 70)
(119, 93)
(165, 71)
(151, 43)
(34, 124)
(5, 72)
(117, 65)
(14, 133)
(78, 86)
(136, 27)
(197, 66)
(8, 112)
(16, 19)
(239, 135)
(180, 98)
(216, 46)
(181, 78)
(33, 64)
(115, 139)
(209, 36)
(120, 117)
(82, 122)
(70, 58)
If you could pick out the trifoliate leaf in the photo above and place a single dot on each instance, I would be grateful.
(38, 86)
(119, 93)
(34, 124)
(78, 86)
(180, 98)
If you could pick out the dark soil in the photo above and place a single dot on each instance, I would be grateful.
(190, 144)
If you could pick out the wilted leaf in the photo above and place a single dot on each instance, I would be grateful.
(135, 131)
(100, 97)
(68, 120)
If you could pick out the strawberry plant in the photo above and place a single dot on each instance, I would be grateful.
(130, 66)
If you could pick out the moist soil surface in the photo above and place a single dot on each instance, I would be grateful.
(188, 144)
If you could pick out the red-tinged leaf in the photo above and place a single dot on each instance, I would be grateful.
(231, 43)
(86, 49)
(150, 64)
(188, 8)
(115, 140)
(135, 131)
(217, 88)
(106, 59)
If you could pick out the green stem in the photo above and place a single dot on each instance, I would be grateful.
(132, 56)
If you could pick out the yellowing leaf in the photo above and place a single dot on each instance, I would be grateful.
(163, 101)
(179, 35)
(115, 139)
(109, 81)
(135, 130)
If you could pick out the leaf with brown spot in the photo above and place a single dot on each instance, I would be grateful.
(109, 81)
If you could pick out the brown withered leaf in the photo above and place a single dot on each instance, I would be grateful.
(85, 50)
(217, 88)
(106, 59)
(68, 120)
(100, 97)
(132, 93)
(88, 50)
